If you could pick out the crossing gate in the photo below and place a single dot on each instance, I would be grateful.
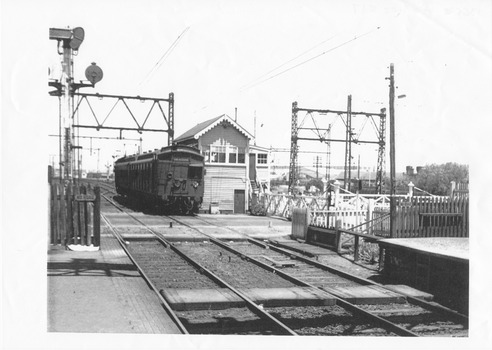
(74, 214)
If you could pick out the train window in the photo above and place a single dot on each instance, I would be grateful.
(195, 172)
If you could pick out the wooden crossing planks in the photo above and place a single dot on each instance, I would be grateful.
(370, 294)
(216, 299)
(280, 263)
(294, 296)
(201, 299)
(404, 289)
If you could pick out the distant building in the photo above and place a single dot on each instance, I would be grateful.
(235, 170)
(411, 172)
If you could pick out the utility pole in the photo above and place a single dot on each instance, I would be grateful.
(317, 163)
(328, 155)
(392, 148)
(255, 129)
(348, 145)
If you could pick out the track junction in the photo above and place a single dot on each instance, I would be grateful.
(214, 278)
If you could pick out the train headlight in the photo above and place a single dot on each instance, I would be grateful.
(195, 184)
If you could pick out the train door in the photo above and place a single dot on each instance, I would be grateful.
(239, 200)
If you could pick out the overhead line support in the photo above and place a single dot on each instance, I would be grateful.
(295, 130)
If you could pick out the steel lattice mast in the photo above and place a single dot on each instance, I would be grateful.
(293, 169)
(295, 137)
(381, 152)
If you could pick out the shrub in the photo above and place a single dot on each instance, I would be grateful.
(258, 210)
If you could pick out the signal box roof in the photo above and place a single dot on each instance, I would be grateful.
(200, 129)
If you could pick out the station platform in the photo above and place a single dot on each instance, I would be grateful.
(453, 248)
(436, 265)
(101, 292)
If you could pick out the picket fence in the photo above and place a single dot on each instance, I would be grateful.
(74, 214)
(417, 216)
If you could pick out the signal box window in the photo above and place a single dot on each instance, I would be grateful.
(262, 158)
(240, 156)
(218, 154)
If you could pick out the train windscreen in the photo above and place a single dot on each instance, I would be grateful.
(195, 172)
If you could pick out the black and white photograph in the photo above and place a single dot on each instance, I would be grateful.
(184, 174)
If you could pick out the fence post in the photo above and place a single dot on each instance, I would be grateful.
(356, 248)
(300, 222)
(370, 209)
(63, 215)
(52, 213)
(58, 215)
(97, 218)
(78, 227)
(339, 235)
(69, 226)
(84, 234)
(453, 188)
(336, 187)
(410, 189)
(381, 258)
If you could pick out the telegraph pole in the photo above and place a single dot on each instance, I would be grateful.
(348, 145)
(392, 148)
(317, 163)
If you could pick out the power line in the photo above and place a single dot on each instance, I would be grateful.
(164, 56)
(287, 62)
(314, 57)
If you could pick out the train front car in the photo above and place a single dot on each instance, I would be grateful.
(180, 179)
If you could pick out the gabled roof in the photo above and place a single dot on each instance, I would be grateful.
(200, 129)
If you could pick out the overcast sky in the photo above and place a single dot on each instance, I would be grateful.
(256, 56)
(260, 56)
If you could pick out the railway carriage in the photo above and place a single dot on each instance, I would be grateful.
(171, 178)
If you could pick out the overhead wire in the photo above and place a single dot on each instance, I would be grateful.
(166, 54)
(312, 58)
(287, 62)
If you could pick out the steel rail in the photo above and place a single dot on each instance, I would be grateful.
(163, 301)
(285, 330)
(452, 314)
(379, 320)
(419, 302)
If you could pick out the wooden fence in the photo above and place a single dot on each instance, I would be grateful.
(459, 189)
(74, 214)
(415, 216)
(338, 217)
(426, 217)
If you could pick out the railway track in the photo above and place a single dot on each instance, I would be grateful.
(275, 267)
(166, 268)
(420, 316)
(416, 315)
